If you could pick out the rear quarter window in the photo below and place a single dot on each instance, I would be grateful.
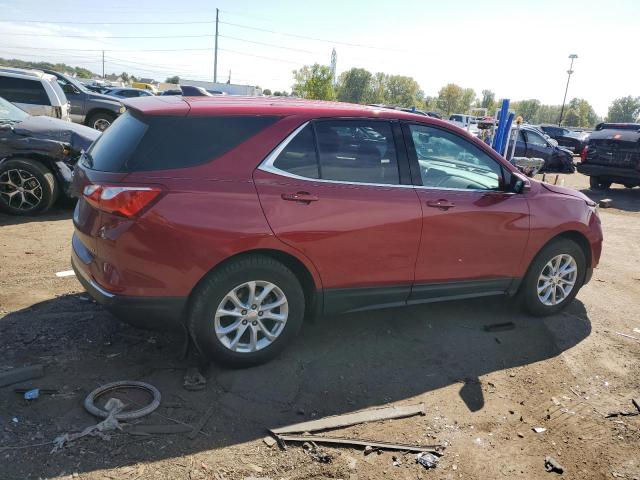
(22, 90)
(142, 143)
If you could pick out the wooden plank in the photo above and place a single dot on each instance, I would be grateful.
(402, 447)
(18, 375)
(349, 419)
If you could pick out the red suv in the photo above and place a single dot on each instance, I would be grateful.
(238, 217)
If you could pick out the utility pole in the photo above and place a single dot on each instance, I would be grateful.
(573, 56)
(103, 64)
(215, 53)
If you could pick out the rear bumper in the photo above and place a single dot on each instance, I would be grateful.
(151, 313)
(612, 174)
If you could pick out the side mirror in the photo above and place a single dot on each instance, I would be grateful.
(519, 183)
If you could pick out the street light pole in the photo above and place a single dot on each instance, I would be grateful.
(573, 56)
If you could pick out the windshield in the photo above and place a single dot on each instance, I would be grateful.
(9, 112)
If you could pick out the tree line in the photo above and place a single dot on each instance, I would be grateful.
(358, 85)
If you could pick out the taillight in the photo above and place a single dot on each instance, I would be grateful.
(125, 201)
(583, 154)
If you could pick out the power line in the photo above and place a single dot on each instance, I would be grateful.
(267, 44)
(308, 38)
(113, 50)
(260, 56)
(109, 23)
(109, 37)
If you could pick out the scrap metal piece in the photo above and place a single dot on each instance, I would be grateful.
(427, 460)
(401, 447)
(23, 374)
(552, 465)
(349, 419)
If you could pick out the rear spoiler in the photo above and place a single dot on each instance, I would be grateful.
(618, 126)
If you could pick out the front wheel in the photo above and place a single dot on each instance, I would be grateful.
(246, 312)
(596, 184)
(554, 278)
(101, 120)
(26, 187)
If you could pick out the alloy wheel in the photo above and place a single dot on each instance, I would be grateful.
(251, 316)
(20, 189)
(557, 279)
(101, 124)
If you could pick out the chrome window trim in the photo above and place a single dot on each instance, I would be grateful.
(267, 166)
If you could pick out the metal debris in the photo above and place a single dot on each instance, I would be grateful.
(552, 465)
(539, 429)
(374, 444)
(316, 452)
(427, 460)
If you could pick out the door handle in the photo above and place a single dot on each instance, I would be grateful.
(441, 204)
(302, 197)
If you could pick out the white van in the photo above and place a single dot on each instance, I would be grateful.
(34, 91)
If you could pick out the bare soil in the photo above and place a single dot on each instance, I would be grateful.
(484, 391)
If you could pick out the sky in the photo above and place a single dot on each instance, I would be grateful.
(518, 49)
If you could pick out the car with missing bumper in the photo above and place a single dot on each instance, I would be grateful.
(612, 156)
(237, 218)
(37, 156)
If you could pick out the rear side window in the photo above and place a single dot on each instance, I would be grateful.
(21, 90)
(142, 143)
(353, 151)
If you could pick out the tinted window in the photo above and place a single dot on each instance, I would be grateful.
(299, 156)
(357, 151)
(20, 90)
(449, 161)
(139, 143)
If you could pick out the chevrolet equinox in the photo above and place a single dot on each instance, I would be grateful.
(236, 218)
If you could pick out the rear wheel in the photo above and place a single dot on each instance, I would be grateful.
(246, 312)
(26, 187)
(596, 184)
(554, 278)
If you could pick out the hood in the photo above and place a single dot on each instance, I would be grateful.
(48, 128)
(567, 191)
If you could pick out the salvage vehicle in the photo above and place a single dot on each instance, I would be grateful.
(612, 156)
(34, 91)
(37, 156)
(87, 107)
(573, 141)
(128, 92)
(532, 143)
(234, 218)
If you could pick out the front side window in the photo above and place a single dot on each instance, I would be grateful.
(449, 161)
(535, 139)
(352, 151)
(22, 90)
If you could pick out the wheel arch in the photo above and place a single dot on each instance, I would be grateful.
(95, 110)
(308, 280)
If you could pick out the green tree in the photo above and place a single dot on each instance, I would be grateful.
(314, 82)
(528, 109)
(488, 101)
(403, 91)
(468, 98)
(175, 79)
(378, 88)
(267, 91)
(579, 113)
(355, 86)
(624, 110)
(449, 99)
(124, 76)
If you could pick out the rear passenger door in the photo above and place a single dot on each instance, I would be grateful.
(339, 192)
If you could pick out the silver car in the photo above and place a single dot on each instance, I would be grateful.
(34, 91)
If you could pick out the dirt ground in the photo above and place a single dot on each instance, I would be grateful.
(484, 391)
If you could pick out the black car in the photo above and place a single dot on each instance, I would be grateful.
(612, 156)
(532, 143)
(37, 156)
(574, 141)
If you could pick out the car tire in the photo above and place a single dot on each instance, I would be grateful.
(240, 340)
(100, 120)
(540, 301)
(40, 187)
(596, 184)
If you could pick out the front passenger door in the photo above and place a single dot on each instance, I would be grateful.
(474, 231)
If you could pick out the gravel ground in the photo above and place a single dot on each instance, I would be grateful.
(484, 391)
